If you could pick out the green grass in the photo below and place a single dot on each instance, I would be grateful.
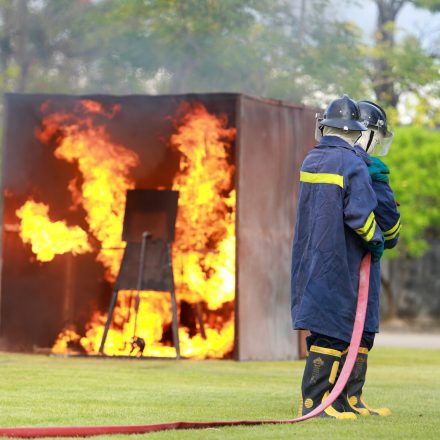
(46, 391)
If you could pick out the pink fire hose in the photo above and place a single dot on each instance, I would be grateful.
(86, 431)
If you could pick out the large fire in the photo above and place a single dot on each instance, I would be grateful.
(204, 250)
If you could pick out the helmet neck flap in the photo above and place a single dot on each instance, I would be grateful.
(349, 136)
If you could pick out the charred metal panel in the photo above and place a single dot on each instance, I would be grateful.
(272, 142)
(156, 268)
(150, 211)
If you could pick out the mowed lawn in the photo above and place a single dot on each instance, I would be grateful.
(48, 391)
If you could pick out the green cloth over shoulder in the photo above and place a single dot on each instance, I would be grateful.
(378, 170)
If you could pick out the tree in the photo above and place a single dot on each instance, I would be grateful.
(70, 46)
(261, 47)
(432, 5)
(399, 67)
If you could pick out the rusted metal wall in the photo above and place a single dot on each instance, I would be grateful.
(273, 138)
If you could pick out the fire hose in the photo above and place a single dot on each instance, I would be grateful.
(86, 431)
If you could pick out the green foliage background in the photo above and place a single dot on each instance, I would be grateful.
(414, 161)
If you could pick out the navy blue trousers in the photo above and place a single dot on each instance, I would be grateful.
(324, 341)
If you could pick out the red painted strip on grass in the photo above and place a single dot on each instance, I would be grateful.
(87, 431)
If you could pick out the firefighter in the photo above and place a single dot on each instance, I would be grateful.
(375, 140)
(335, 227)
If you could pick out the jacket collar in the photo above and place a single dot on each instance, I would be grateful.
(362, 153)
(334, 141)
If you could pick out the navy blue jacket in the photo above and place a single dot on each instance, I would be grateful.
(335, 217)
(388, 218)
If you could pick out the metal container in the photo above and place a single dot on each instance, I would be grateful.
(38, 299)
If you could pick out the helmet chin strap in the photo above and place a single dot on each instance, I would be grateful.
(370, 140)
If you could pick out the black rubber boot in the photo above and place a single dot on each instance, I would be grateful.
(320, 374)
(351, 397)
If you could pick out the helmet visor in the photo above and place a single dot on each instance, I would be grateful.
(318, 127)
(384, 147)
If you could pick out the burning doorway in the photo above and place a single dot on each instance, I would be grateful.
(68, 163)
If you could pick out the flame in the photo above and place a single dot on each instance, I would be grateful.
(153, 307)
(205, 229)
(49, 238)
(104, 167)
(204, 250)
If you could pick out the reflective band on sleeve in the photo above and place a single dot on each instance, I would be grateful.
(369, 236)
(393, 229)
(390, 237)
(335, 179)
(367, 224)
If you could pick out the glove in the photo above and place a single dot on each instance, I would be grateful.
(376, 250)
(378, 170)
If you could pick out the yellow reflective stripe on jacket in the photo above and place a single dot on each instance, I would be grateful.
(390, 237)
(367, 231)
(370, 234)
(367, 225)
(393, 229)
(335, 179)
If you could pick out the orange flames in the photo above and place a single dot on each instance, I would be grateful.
(104, 167)
(206, 209)
(49, 238)
(205, 229)
(204, 251)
